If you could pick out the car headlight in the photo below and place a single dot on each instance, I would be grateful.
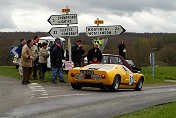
(79, 76)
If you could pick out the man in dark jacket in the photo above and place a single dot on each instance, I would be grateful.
(56, 62)
(77, 53)
(20, 46)
(94, 52)
(122, 49)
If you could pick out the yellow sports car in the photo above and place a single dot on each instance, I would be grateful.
(105, 76)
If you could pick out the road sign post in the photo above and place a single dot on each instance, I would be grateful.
(96, 31)
(104, 30)
(64, 19)
(64, 31)
(152, 62)
(14, 50)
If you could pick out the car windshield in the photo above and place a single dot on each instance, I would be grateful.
(97, 66)
(130, 62)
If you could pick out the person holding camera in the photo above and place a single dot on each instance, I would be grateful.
(77, 53)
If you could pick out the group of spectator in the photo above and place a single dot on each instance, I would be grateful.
(33, 56)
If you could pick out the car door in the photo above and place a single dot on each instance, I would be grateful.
(128, 76)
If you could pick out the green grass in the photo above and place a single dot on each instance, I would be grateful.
(162, 111)
(161, 74)
(11, 71)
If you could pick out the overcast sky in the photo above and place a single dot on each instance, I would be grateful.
(134, 15)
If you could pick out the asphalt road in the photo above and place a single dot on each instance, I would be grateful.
(60, 100)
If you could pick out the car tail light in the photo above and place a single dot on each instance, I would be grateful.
(72, 74)
(102, 76)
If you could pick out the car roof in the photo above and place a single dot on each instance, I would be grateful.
(51, 38)
(110, 55)
(107, 64)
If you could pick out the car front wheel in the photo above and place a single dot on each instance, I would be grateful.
(139, 85)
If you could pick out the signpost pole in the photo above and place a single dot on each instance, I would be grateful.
(152, 61)
(69, 41)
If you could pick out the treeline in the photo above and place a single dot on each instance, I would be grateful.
(164, 49)
(139, 46)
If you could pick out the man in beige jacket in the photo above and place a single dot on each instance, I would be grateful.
(26, 61)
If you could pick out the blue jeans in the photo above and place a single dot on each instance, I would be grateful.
(55, 70)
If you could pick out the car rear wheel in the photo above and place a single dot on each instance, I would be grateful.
(139, 85)
(76, 86)
(115, 85)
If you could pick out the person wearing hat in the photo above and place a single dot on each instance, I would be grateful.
(56, 62)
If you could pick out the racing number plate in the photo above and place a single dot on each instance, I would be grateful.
(87, 72)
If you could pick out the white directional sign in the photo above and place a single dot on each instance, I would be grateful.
(14, 50)
(63, 31)
(63, 19)
(104, 30)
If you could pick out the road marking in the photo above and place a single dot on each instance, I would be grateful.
(42, 97)
(44, 94)
(67, 95)
(38, 91)
(38, 86)
(33, 84)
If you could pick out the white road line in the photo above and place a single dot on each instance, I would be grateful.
(42, 97)
(33, 84)
(44, 94)
(39, 90)
(67, 95)
(38, 86)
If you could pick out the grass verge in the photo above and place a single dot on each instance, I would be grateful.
(11, 71)
(161, 111)
(160, 74)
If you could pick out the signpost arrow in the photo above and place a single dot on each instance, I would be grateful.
(63, 19)
(14, 50)
(63, 31)
(104, 30)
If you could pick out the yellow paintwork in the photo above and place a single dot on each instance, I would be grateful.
(109, 76)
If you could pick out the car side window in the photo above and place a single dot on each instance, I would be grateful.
(125, 69)
(119, 60)
(113, 60)
(116, 60)
(105, 60)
